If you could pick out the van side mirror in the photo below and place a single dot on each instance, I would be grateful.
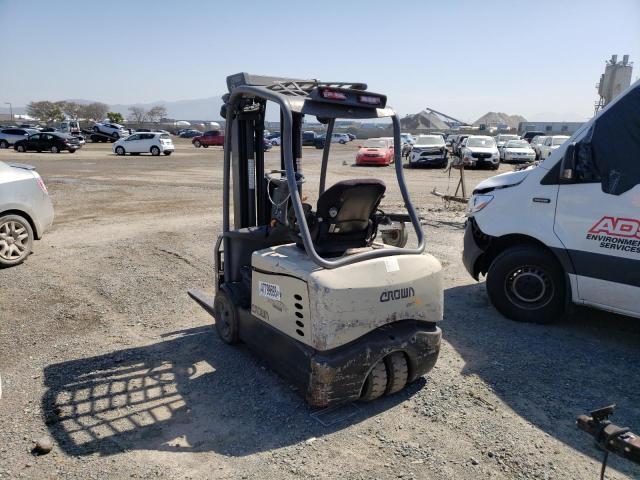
(568, 165)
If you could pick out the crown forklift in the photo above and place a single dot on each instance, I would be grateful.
(338, 314)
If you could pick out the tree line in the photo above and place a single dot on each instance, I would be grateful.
(50, 112)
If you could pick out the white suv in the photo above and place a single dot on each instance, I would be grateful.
(152, 142)
(112, 129)
(479, 150)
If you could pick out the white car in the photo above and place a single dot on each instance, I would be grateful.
(407, 138)
(550, 144)
(276, 141)
(536, 142)
(502, 139)
(480, 151)
(9, 136)
(26, 212)
(112, 129)
(147, 142)
(518, 151)
(340, 138)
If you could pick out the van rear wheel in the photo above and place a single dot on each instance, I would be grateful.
(526, 284)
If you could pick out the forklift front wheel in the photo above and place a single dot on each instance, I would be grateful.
(226, 318)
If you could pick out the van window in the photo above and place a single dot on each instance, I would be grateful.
(610, 148)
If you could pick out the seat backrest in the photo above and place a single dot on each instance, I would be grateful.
(344, 217)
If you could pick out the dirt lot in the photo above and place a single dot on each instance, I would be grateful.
(101, 349)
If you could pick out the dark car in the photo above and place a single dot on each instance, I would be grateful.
(190, 134)
(53, 142)
(273, 135)
(529, 135)
(48, 129)
(312, 139)
(143, 130)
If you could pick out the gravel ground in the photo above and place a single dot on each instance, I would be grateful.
(101, 349)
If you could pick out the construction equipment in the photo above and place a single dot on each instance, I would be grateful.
(338, 314)
(610, 437)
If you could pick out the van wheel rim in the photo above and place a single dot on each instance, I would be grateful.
(13, 240)
(529, 287)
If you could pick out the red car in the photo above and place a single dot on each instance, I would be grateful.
(376, 151)
(212, 137)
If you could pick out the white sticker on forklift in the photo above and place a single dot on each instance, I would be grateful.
(391, 264)
(269, 290)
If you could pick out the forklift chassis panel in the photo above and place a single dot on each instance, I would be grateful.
(337, 376)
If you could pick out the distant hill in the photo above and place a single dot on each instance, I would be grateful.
(195, 109)
(495, 118)
(423, 121)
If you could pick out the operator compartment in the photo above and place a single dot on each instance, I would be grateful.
(327, 308)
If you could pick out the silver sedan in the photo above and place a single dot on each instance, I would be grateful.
(26, 212)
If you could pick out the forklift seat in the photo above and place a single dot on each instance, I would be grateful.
(345, 217)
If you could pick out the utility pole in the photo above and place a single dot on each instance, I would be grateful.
(10, 109)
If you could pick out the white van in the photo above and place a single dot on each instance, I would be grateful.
(567, 230)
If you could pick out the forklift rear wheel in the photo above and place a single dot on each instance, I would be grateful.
(397, 372)
(226, 318)
(376, 383)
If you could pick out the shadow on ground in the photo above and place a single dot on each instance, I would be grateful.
(189, 392)
(550, 374)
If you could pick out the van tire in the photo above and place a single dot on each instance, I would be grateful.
(397, 372)
(376, 383)
(541, 299)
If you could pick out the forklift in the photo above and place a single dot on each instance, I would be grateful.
(330, 297)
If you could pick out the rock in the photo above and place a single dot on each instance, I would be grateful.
(43, 445)
(474, 461)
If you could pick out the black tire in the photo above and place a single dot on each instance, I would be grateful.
(197, 144)
(155, 151)
(96, 129)
(226, 317)
(205, 146)
(115, 135)
(14, 226)
(167, 153)
(4, 144)
(72, 150)
(376, 383)
(397, 372)
(54, 149)
(541, 298)
(21, 149)
(120, 151)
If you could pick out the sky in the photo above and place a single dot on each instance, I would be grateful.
(538, 59)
